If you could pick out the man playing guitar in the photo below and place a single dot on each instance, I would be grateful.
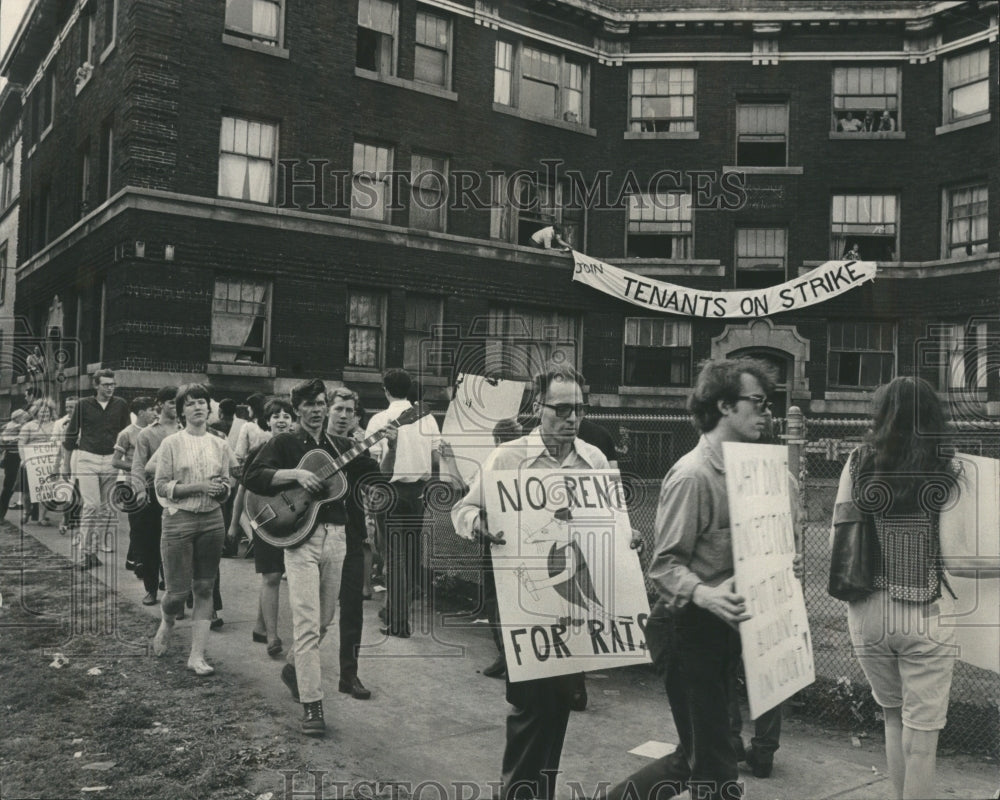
(314, 567)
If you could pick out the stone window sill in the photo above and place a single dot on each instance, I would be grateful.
(244, 370)
(575, 127)
(639, 135)
(402, 83)
(971, 122)
(257, 47)
(766, 170)
(868, 135)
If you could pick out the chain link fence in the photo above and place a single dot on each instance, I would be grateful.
(648, 445)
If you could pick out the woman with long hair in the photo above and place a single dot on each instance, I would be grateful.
(904, 475)
(193, 478)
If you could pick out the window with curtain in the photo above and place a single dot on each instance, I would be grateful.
(968, 220)
(421, 345)
(659, 225)
(247, 151)
(869, 221)
(860, 354)
(6, 183)
(371, 192)
(657, 352)
(255, 20)
(432, 50)
(661, 99)
(962, 358)
(762, 134)
(365, 328)
(760, 257)
(966, 85)
(240, 321)
(428, 192)
(540, 82)
(866, 99)
(378, 23)
(521, 340)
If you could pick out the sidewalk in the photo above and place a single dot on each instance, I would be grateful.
(433, 717)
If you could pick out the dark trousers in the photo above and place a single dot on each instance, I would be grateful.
(767, 727)
(11, 468)
(404, 527)
(146, 525)
(490, 606)
(352, 607)
(699, 655)
(536, 728)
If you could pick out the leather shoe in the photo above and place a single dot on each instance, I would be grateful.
(402, 634)
(760, 764)
(497, 669)
(216, 623)
(149, 599)
(289, 678)
(355, 688)
(260, 638)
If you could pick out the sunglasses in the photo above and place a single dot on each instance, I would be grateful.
(563, 410)
(760, 401)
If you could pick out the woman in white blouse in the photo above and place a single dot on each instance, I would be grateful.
(37, 431)
(193, 478)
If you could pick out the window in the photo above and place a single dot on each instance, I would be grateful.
(521, 341)
(432, 52)
(255, 20)
(85, 179)
(371, 195)
(967, 222)
(657, 352)
(867, 220)
(3, 273)
(662, 99)
(241, 311)
(428, 192)
(861, 354)
(761, 134)
(760, 257)
(540, 83)
(47, 99)
(421, 345)
(43, 217)
(247, 151)
(522, 205)
(87, 35)
(110, 24)
(107, 157)
(7, 183)
(377, 25)
(365, 324)
(966, 85)
(659, 226)
(866, 99)
(962, 357)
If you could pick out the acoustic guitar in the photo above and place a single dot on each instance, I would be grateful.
(288, 517)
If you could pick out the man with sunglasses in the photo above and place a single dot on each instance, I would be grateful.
(692, 631)
(537, 725)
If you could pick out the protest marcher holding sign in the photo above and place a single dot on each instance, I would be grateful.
(692, 631)
(537, 725)
(38, 458)
(905, 477)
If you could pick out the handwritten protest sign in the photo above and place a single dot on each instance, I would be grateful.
(777, 648)
(570, 590)
(39, 460)
(969, 539)
(478, 405)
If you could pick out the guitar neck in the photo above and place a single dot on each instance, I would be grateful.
(349, 455)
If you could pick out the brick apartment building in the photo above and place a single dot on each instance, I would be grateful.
(248, 192)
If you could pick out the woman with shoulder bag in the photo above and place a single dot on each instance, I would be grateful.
(900, 480)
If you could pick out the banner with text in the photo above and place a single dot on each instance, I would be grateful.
(570, 590)
(777, 647)
(826, 281)
(39, 461)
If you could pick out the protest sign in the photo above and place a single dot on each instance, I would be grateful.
(569, 588)
(969, 540)
(777, 647)
(827, 280)
(39, 460)
(478, 404)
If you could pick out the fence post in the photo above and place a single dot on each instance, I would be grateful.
(795, 438)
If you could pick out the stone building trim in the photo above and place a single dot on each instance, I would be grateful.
(764, 334)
